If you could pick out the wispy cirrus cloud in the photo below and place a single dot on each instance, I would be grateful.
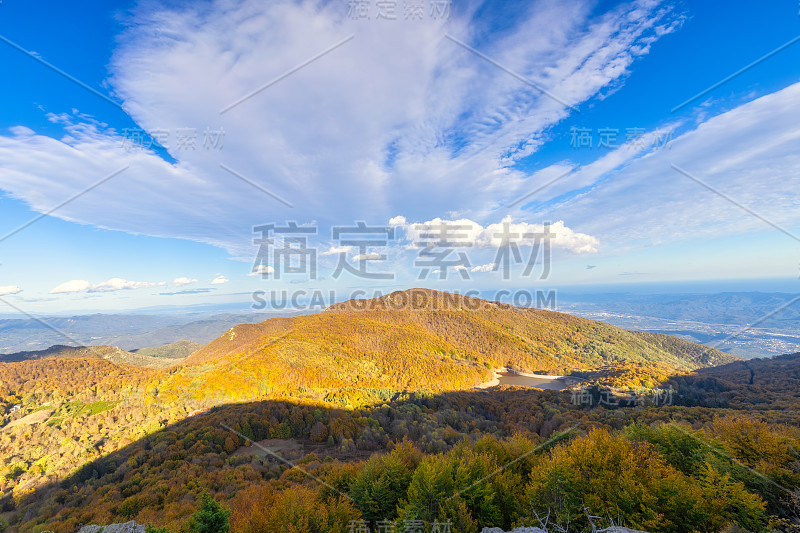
(635, 199)
(404, 120)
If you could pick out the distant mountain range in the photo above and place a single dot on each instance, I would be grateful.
(128, 332)
(408, 340)
(415, 339)
(770, 321)
(160, 357)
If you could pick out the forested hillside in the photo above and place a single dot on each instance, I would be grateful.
(417, 339)
(87, 440)
(107, 353)
(657, 469)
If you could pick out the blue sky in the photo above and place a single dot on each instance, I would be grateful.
(454, 117)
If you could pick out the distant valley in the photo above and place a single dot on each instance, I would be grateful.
(747, 324)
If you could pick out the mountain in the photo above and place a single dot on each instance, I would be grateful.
(106, 353)
(128, 331)
(364, 351)
(86, 439)
(175, 350)
(199, 331)
(26, 334)
(757, 385)
(417, 339)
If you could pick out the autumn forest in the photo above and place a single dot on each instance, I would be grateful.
(366, 416)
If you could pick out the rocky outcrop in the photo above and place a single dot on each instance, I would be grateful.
(127, 527)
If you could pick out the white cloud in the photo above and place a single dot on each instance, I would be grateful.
(470, 233)
(219, 280)
(336, 250)
(180, 282)
(748, 154)
(567, 177)
(21, 131)
(367, 257)
(488, 267)
(261, 270)
(76, 285)
(387, 107)
(112, 285)
(119, 284)
(8, 290)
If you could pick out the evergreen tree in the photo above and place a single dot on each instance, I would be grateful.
(211, 517)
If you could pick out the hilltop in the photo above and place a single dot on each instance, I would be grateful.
(175, 350)
(364, 351)
(147, 357)
(421, 339)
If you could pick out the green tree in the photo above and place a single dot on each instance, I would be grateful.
(380, 485)
(211, 517)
